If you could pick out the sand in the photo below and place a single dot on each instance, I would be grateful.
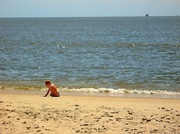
(69, 114)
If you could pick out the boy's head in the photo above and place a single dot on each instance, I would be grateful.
(47, 83)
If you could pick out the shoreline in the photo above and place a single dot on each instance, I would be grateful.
(96, 93)
(31, 113)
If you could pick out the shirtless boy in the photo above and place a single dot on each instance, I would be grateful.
(52, 88)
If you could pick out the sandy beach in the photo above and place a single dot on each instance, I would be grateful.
(69, 114)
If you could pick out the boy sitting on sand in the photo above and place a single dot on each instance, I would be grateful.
(52, 88)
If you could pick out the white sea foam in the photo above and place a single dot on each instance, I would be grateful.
(121, 91)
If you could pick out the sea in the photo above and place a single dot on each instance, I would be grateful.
(103, 54)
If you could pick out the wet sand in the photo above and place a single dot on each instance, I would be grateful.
(70, 114)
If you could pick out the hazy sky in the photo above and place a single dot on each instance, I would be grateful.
(86, 8)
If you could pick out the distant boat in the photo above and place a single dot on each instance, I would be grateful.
(147, 15)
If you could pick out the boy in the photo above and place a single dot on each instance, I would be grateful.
(52, 88)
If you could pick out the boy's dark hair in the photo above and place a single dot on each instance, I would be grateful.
(47, 82)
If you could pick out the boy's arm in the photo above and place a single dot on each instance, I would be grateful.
(47, 93)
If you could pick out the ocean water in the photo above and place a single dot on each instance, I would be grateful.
(138, 53)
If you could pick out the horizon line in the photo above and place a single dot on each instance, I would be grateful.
(84, 16)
